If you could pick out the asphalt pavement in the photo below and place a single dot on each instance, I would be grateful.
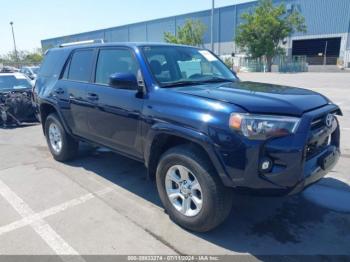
(102, 203)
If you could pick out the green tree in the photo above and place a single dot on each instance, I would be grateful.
(24, 57)
(191, 33)
(265, 28)
(47, 47)
(34, 57)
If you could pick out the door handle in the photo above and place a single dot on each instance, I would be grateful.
(92, 96)
(59, 91)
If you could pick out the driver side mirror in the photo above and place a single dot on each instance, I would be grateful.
(123, 81)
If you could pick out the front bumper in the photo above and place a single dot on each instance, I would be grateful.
(298, 160)
(316, 171)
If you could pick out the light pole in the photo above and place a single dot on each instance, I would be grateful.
(212, 26)
(14, 41)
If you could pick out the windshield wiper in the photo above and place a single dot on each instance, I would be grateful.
(182, 83)
(199, 82)
(216, 80)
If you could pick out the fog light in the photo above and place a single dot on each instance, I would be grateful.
(265, 165)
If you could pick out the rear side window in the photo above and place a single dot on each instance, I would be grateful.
(80, 66)
(112, 61)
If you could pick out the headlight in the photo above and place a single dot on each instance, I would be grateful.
(261, 127)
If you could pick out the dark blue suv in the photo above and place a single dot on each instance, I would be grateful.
(198, 129)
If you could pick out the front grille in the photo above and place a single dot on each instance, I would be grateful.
(315, 146)
(319, 121)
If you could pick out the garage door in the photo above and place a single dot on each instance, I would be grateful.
(316, 50)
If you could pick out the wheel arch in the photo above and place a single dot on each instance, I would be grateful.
(47, 108)
(162, 137)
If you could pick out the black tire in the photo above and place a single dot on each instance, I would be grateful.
(70, 146)
(217, 199)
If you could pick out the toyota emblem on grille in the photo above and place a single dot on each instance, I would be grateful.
(329, 120)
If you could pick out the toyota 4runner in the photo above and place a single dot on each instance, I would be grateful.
(198, 129)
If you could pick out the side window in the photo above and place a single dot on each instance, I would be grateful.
(112, 61)
(80, 66)
(66, 69)
(65, 73)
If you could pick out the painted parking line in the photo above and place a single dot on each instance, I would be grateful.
(49, 212)
(41, 227)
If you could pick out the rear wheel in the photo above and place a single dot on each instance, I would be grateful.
(190, 189)
(62, 146)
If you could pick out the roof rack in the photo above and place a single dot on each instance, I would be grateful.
(95, 41)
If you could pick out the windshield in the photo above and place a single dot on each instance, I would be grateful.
(177, 65)
(14, 82)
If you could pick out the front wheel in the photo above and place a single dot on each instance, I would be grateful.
(190, 189)
(62, 146)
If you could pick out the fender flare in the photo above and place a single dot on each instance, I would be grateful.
(192, 135)
(53, 104)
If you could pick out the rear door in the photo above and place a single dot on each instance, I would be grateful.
(73, 87)
(115, 120)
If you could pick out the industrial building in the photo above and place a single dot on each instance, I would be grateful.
(327, 40)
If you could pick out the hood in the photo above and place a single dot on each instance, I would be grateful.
(260, 97)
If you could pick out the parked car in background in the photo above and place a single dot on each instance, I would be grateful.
(30, 71)
(16, 104)
(9, 69)
(198, 129)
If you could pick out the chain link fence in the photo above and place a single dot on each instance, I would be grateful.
(252, 64)
(281, 64)
(293, 64)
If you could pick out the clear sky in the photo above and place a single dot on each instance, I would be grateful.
(40, 19)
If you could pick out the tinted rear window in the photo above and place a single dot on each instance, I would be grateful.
(80, 66)
(53, 63)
